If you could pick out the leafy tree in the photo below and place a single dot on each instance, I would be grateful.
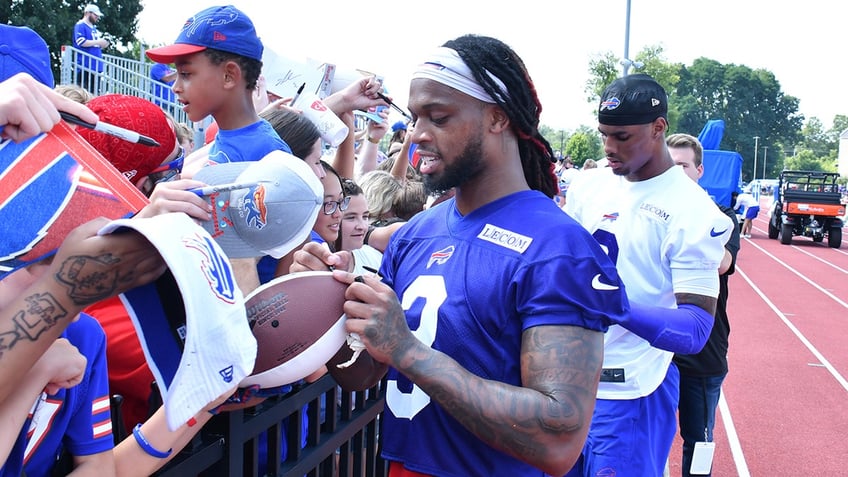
(603, 69)
(750, 102)
(54, 20)
(840, 124)
(584, 144)
(806, 160)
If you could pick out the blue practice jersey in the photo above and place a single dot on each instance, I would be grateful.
(77, 419)
(249, 143)
(161, 89)
(83, 32)
(470, 286)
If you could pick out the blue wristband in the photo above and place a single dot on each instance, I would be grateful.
(142, 442)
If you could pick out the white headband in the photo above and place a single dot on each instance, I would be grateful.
(445, 66)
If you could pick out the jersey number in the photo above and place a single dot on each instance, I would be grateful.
(432, 289)
(607, 242)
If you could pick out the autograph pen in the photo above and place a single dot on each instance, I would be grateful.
(392, 104)
(209, 190)
(112, 130)
(297, 95)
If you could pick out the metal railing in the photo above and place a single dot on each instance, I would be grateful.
(341, 438)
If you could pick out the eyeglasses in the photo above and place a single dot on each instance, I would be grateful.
(168, 172)
(331, 206)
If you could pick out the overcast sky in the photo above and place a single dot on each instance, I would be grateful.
(802, 43)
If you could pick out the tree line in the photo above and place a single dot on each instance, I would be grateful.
(750, 102)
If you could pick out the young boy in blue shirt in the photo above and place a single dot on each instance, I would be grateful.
(218, 57)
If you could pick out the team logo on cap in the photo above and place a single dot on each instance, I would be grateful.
(256, 213)
(212, 18)
(215, 267)
(610, 104)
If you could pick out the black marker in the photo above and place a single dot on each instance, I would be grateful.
(297, 95)
(106, 128)
(397, 108)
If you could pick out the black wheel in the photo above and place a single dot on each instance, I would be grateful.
(786, 234)
(773, 231)
(834, 238)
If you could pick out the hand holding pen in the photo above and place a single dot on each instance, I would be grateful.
(28, 108)
(394, 106)
(106, 128)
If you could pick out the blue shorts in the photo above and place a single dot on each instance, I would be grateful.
(632, 438)
(751, 212)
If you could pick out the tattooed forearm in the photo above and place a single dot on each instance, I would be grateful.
(560, 368)
(42, 312)
(86, 279)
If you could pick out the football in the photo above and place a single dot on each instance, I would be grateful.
(298, 322)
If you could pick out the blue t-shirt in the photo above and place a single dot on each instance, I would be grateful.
(160, 88)
(78, 418)
(474, 284)
(82, 32)
(250, 143)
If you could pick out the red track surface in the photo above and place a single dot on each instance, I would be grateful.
(786, 394)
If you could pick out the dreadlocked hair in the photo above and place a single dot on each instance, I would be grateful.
(483, 54)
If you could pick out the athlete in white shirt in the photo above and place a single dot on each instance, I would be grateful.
(666, 237)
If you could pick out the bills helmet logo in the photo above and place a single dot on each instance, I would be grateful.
(441, 256)
(611, 217)
(213, 19)
(214, 266)
(36, 184)
(254, 209)
(610, 104)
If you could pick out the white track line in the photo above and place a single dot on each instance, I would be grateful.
(819, 259)
(799, 274)
(803, 339)
(733, 438)
(724, 408)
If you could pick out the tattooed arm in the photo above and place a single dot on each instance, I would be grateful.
(544, 422)
(38, 303)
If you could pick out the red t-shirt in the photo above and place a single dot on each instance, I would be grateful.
(129, 374)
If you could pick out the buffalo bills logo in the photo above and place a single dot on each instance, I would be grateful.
(441, 256)
(36, 184)
(611, 217)
(214, 266)
(610, 104)
(213, 19)
(254, 209)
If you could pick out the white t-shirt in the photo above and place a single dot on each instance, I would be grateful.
(366, 256)
(746, 201)
(665, 236)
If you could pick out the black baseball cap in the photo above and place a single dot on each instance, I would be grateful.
(633, 99)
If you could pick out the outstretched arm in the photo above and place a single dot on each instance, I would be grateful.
(684, 329)
(28, 107)
(38, 303)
